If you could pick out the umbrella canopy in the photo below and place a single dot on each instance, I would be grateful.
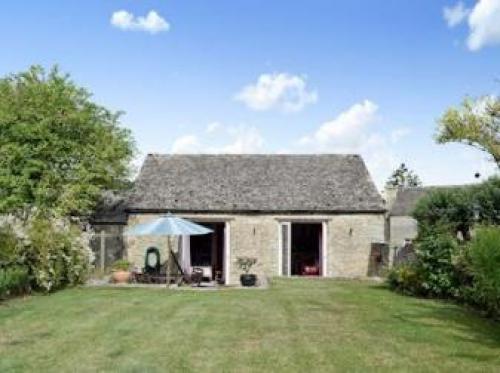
(168, 225)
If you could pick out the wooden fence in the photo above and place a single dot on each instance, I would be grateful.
(107, 248)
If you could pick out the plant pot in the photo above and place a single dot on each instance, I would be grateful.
(248, 279)
(120, 277)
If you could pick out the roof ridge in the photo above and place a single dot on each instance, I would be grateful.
(253, 155)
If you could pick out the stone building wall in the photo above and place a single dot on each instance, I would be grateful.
(402, 228)
(349, 239)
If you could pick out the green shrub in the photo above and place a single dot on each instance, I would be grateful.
(9, 245)
(56, 255)
(458, 209)
(436, 255)
(14, 280)
(447, 210)
(433, 272)
(484, 256)
(405, 279)
(54, 252)
(445, 267)
(121, 265)
(486, 197)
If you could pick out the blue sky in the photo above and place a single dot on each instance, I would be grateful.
(368, 77)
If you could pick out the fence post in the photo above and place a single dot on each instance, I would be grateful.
(103, 250)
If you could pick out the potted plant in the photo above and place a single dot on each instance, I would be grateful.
(245, 263)
(120, 271)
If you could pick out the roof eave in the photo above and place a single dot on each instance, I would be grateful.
(242, 211)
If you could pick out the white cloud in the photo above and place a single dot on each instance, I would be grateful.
(245, 140)
(277, 91)
(152, 22)
(229, 140)
(212, 127)
(484, 24)
(454, 15)
(354, 131)
(399, 133)
(186, 144)
(483, 21)
(346, 129)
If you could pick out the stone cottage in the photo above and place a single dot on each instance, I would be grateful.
(297, 214)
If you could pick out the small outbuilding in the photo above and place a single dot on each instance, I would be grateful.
(298, 215)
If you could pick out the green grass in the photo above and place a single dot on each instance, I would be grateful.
(296, 325)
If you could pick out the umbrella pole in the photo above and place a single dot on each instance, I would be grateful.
(167, 272)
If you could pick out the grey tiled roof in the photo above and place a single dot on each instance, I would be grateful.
(407, 198)
(270, 183)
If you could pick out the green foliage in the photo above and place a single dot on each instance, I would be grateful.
(56, 255)
(14, 280)
(405, 279)
(466, 270)
(58, 149)
(403, 177)
(486, 197)
(54, 252)
(445, 209)
(475, 123)
(435, 254)
(433, 272)
(245, 263)
(121, 265)
(9, 245)
(485, 267)
(457, 209)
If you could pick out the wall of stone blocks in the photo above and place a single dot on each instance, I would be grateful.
(401, 228)
(349, 239)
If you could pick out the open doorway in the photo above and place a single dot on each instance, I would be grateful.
(207, 252)
(306, 247)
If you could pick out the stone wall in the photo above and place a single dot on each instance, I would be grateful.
(402, 228)
(349, 239)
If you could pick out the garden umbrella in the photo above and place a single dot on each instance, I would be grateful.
(168, 225)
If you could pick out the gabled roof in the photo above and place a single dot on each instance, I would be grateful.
(407, 198)
(252, 183)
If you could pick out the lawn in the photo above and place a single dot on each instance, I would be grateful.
(296, 325)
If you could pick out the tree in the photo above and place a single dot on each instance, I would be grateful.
(58, 149)
(475, 123)
(403, 177)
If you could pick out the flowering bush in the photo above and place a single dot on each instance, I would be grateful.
(54, 251)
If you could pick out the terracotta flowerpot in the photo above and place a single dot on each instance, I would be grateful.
(120, 277)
